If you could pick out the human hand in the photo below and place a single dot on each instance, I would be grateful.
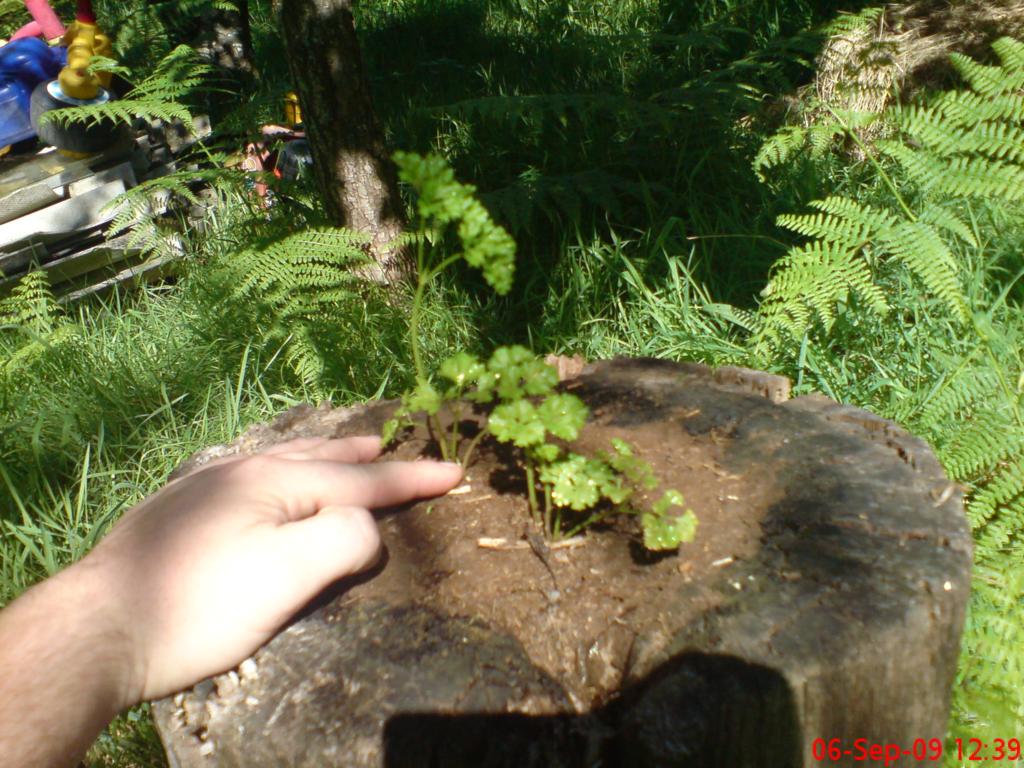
(207, 569)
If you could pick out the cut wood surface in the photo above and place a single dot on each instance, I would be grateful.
(837, 618)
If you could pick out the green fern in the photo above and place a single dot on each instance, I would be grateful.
(991, 667)
(850, 241)
(851, 23)
(137, 208)
(147, 29)
(814, 140)
(32, 314)
(297, 281)
(964, 145)
(972, 414)
(31, 305)
(942, 161)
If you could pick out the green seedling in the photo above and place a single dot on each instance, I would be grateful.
(665, 531)
(444, 204)
(519, 389)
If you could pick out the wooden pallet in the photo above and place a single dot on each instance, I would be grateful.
(55, 215)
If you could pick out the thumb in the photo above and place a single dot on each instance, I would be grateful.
(335, 542)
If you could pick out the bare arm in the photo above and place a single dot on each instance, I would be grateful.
(189, 583)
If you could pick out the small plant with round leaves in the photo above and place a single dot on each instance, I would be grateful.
(526, 410)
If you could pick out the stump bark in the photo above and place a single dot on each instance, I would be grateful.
(841, 620)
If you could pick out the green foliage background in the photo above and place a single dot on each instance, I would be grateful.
(663, 203)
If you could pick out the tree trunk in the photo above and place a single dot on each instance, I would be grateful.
(353, 167)
(819, 609)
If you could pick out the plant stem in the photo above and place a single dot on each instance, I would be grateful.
(594, 518)
(552, 532)
(417, 303)
(425, 276)
(437, 435)
(453, 433)
(472, 445)
(531, 491)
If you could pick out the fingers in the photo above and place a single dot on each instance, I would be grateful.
(335, 542)
(304, 487)
(350, 450)
(395, 482)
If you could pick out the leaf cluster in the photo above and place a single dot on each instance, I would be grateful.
(918, 264)
(529, 414)
(526, 411)
(442, 201)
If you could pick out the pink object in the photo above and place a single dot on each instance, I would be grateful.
(45, 24)
(32, 29)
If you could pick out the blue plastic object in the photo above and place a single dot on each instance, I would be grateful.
(24, 64)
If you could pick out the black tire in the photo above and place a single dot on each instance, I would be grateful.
(77, 137)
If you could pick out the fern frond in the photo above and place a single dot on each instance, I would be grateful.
(957, 396)
(846, 23)
(995, 140)
(1011, 55)
(298, 266)
(842, 220)
(810, 281)
(999, 504)
(827, 227)
(822, 136)
(33, 314)
(144, 201)
(294, 282)
(305, 358)
(31, 304)
(967, 108)
(180, 72)
(779, 148)
(986, 80)
(943, 218)
(983, 440)
(120, 111)
(877, 219)
(923, 251)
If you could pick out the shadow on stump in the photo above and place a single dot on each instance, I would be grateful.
(697, 709)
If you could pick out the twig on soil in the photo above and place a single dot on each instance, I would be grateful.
(543, 552)
(486, 542)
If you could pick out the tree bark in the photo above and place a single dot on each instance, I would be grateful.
(351, 161)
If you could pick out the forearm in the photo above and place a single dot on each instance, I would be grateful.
(66, 669)
(190, 582)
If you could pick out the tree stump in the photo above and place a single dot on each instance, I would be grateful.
(821, 603)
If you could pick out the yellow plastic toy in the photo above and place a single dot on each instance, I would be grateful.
(84, 40)
(75, 86)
